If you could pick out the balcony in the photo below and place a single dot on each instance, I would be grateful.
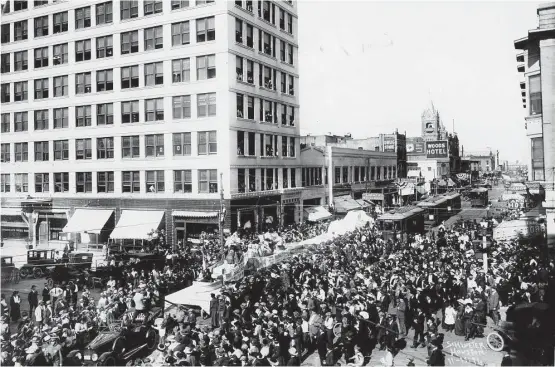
(520, 57)
(520, 68)
(522, 85)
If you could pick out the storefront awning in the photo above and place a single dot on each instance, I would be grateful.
(194, 214)
(373, 197)
(317, 213)
(421, 189)
(137, 224)
(87, 220)
(10, 211)
(364, 204)
(344, 204)
(407, 190)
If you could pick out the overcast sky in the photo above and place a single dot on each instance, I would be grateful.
(370, 67)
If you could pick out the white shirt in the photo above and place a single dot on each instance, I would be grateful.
(39, 311)
(329, 323)
(138, 298)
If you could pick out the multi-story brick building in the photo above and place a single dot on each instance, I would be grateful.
(537, 64)
(147, 105)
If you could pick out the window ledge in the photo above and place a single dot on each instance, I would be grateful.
(288, 64)
(286, 32)
(245, 119)
(268, 56)
(267, 89)
(269, 123)
(160, 158)
(245, 83)
(244, 46)
(247, 156)
(183, 45)
(289, 158)
(265, 157)
(267, 22)
(244, 10)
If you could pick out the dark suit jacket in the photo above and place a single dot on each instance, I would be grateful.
(33, 298)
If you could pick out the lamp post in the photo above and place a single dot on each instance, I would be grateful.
(221, 218)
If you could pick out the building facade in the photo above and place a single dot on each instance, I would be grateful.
(331, 172)
(162, 105)
(434, 144)
(536, 63)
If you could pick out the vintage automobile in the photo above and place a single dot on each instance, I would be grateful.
(9, 272)
(123, 341)
(37, 261)
(529, 333)
(70, 269)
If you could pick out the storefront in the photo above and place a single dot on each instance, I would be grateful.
(90, 228)
(189, 225)
(255, 213)
(290, 208)
(50, 225)
(14, 225)
(136, 226)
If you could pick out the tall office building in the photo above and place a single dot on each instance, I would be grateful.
(536, 62)
(120, 117)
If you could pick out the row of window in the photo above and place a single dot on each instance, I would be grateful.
(268, 11)
(268, 179)
(82, 17)
(267, 76)
(153, 74)
(153, 37)
(206, 143)
(154, 181)
(153, 111)
(130, 113)
(269, 145)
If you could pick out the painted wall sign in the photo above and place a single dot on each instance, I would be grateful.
(437, 149)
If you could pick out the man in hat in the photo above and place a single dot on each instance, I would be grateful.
(214, 308)
(33, 299)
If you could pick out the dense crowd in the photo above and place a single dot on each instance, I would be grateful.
(66, 317)
(341, 299)
(345, 297)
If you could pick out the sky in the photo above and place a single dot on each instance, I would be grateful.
(371, 67)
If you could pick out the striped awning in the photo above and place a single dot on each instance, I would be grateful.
(194, 214)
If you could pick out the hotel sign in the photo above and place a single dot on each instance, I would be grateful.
(437, 149)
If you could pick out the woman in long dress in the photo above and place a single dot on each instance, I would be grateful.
(459, 322)
(15, 306)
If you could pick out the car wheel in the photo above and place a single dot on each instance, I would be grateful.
(106, 360)
(24, 272)
(151, 340)
(37, 273)
(495, 341)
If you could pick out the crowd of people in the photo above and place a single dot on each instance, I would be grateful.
(345, 297)
(342, 299)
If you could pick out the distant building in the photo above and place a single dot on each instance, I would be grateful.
(390, 143)
(434, 144)
(482, 161)
(332, 171)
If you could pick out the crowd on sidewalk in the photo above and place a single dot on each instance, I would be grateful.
(341, 299)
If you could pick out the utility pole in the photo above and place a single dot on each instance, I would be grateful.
(221, 218)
